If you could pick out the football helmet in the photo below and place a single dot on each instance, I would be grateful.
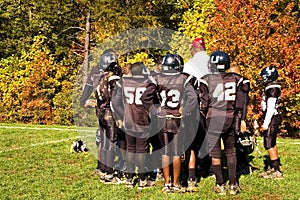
(138, 68)
(245, 142)
(181, 62)
(219, 61)
(269, 74)
(115, 68)
(171, 62)
(107, 58)
(79, 146)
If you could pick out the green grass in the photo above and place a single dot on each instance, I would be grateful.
(36, 164)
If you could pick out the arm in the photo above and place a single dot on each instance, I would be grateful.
(239, 106)
(191, 100)
(117, 105)
(271, 94)
(86, 93)
(148, 98)
(203, 97)
(271, 102)
(88, 88)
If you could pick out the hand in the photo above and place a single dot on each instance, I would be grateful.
(119, 123)
(90, 103)
(180, 110)
(264, 128)
(243, 126)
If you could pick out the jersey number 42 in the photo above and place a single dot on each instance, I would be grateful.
(225, 92)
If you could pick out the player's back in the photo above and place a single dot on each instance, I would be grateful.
(170, 91)
(223, 89)
(136, 118)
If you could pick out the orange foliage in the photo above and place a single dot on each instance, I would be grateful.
(257, 34)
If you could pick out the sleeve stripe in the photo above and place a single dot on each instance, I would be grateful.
(187, 80)
(246, 81)
(202, 81)
(118, 83)
(152, 80)
(240, 81)
(113, 78)
(273, 86)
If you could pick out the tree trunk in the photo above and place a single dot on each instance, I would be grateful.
(86, 48)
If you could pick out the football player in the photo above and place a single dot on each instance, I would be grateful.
(101, 80)
(134, 118)
(240, 121)
(272, 119)
(177, 98)
(224, 91)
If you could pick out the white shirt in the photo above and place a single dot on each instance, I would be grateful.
(197, 65)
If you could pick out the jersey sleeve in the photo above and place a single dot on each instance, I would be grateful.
(240, 96)
(117, 101)
(272, 92)
(148, 98)
(203, 96)
(190, 101)
(246, 90)
(246, 85)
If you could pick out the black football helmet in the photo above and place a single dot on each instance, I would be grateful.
(181, 62)
(269, 74)
(79, 146)
(115, 68)
(219, 61)
(107, 58)
(171, 62)
(245, 142)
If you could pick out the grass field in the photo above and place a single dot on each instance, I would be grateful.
(36, 164)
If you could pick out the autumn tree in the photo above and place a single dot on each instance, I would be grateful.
(257, 34)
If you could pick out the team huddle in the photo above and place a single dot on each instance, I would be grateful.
(172, 121)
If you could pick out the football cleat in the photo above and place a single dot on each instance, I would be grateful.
(220, 189)
(234, 189)
(192, 186)
(167, 188)
(272, 174)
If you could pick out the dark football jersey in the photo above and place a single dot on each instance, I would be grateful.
(225, 92)
(246, 90)
(127, 103)
(104, 83)
(173, 92)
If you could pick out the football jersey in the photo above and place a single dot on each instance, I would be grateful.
(270, 102)
(201, 88)
(246, 90)
(127, 103)
(225, 91)
(103, 84)
(173, 92)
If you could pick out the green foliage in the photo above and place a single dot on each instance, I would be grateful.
(21, 21)
(29, 85)
(41, 47)
(36, 164)
(194, 23)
